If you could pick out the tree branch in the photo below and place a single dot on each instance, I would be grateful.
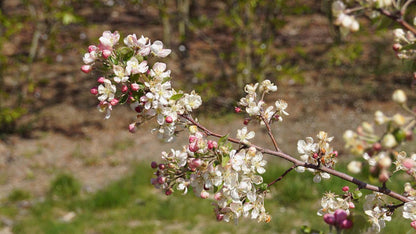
(297, 162)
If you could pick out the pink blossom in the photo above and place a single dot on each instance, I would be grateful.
(86, 68)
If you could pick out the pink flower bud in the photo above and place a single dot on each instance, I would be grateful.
(377, 146)
(345, 188)
(193, 147)
(335, 153)
(397, 47)
(408, 163)
(106, 54)
(351, 205)
(153, 165)
(132, 127)
(195, 163)
(212, 144)
(101, 80)
(340, 215)
(169, 119)
(143, 99)
(217, 196)
(135, 87)
(329, 219)
(246, 121)
(220, 217)
(114, 101)
(86, 68)
(345, 224)
(413, 224)
(124, 88)
(162, 166)
(237, 109)
(161, 180)
(204, 194)
(315, 156)
(168, 191)
(94, 91)
(384, 176)
(192, 139)
(92, 48)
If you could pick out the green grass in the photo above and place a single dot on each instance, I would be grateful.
(132, 205)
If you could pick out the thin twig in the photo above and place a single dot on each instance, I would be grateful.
(281, 177)
(269, 131)
(398, 19)
(297, 163)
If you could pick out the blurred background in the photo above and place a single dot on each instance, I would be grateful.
(63, 169)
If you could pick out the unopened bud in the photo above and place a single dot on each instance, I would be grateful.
(132, 127)
(162, 166)
(94, 91)
(101, 80)
(384, 162)
(413, 224)
(114, 101)
(193, 147)
(399, 119)
(389, 141)
(161, 180)
(135, 86)
(351, 205)
(124, 88)
(399, 96)
(376, 146)
(92, 48)
(345, 224)
(169, 191)
(169, 119)
(220, 217)
(384, 176)
(86, 68)
(237, 109)
(212, 144)
(106, 54)
(345, 188)
(397, 47)
(329, 219)
(340, 215)
(246, 121)
(195, 163)
(153, 165)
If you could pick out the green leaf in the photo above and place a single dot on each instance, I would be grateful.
(125, 53)
(222, 140)
(124, 98)
(176, 96)
(225, 159)
(357, 194)
(166, 79)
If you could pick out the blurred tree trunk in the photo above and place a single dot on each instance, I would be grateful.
(163, 11)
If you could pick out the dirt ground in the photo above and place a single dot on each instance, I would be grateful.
(70, 135)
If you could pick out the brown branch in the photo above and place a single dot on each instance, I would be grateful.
(281, 177)
(398, 18)
(297, 163)
(269, 131)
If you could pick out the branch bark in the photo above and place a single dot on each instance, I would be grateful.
(297, 163)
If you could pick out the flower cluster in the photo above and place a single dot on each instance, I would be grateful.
(254, 105)
(379, 149)
(232, 177)
(336, 210)
(127, 76)
(318, 154)
(375, 209)
(342, 19)
(404, 44)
